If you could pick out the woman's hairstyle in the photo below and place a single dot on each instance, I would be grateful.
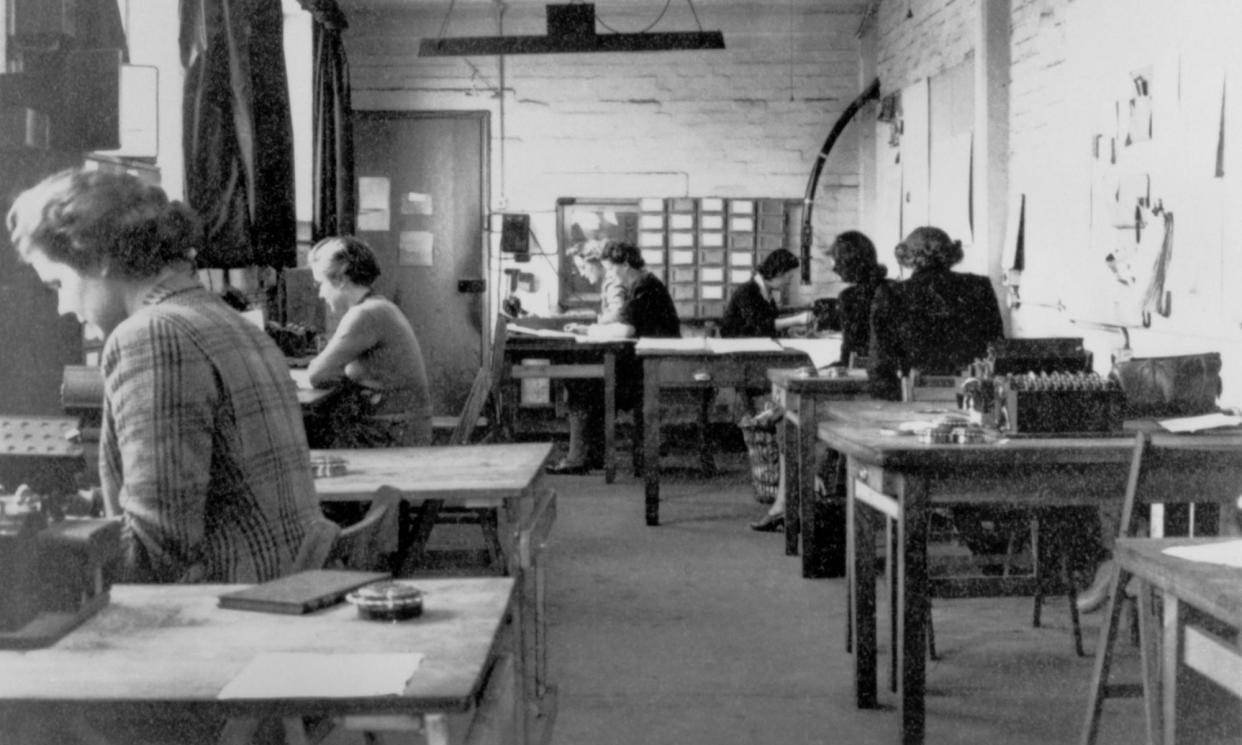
(348, 257)
(86, 219)
(588, 250)
(928, 248)
(777, 263)
(854, 258)
(623, 253)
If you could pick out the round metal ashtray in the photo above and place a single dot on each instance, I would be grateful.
(387, 601)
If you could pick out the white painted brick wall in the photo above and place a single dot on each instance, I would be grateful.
(744, 122)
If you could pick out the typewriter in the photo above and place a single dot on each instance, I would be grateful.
(1042, 387)
(56, 565)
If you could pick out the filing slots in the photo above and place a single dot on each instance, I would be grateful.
(1045, 403)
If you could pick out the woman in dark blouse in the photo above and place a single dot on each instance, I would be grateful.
(752, 309)
(937, 321)
(854, 260)
(649, 311)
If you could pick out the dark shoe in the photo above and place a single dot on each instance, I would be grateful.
(565, 468)
(769, 524)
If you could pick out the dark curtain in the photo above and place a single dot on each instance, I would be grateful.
(238, 138)
(333, 169)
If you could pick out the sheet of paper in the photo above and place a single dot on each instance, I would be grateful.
(824, 351)
(309, 675)
(1226, 553)
(683, 344)
(745, 344)
(1200, 423)
(544, 333)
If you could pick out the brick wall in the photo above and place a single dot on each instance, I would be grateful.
(744, 122)
(1066, 56)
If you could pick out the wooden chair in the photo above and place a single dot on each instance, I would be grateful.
(1142, 483)
(367, 545)
(433, 511)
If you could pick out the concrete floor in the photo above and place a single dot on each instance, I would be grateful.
(703, 631)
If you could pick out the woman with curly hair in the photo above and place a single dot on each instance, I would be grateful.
(937, 321)
(202, 451)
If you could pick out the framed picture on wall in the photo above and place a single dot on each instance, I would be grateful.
(579, 220)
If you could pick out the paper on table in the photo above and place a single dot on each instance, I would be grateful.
(310, 675)
(682, 344)
(824, 352)
(544, 333)
(745, 344)
(1226, 553)
(1200, 423)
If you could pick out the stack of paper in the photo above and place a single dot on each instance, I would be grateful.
(746, 344)
(683, 344)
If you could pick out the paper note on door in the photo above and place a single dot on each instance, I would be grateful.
(415, 248)
(416, 204)
(373, 210)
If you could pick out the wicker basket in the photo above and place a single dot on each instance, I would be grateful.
(764, 452)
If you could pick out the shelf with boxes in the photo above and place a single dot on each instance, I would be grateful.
(702, 247)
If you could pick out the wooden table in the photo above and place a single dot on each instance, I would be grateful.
(567, 359)
(1214, 590)
(504, 477)
(695, 369)
(166, 651)
(901, 478)
(803, 398)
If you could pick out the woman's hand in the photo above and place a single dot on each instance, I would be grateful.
(576, 328)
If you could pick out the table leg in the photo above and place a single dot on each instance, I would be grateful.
(1150, 664)
(789, 475)
(610, 417)
(651, 441)
(913, 604)
(863, 594)
(1168, 672)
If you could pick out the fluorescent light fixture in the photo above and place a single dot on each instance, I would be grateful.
(571, 30)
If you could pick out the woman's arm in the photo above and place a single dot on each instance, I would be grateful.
(354, 336)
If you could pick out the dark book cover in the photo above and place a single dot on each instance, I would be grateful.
(304, 592)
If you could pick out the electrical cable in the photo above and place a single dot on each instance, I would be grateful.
(667, 3)
(444, 23)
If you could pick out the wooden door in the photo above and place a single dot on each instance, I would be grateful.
(421, 201)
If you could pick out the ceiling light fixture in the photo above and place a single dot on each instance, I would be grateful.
(571, 30)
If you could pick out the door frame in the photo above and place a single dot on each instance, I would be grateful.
(485, 173)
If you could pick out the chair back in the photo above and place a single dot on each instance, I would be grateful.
(371, 543)
(485, 381)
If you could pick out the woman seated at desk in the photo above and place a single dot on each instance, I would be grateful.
(373, 357)
(854, 260)
(752, 309)
(589, 264)
(648, 311)
(937, 322)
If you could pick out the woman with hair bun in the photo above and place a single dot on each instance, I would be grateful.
(937, 321)
(202, 452)
(373, 358)
(854, 260)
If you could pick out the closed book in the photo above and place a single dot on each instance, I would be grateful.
(304, 592)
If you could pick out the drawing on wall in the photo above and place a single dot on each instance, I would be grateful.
(582, 220)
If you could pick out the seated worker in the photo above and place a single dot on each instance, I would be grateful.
(202, 453)
(649, 311)
(752, 309)
(589, 264)
(373, 355)
(854, 260)
(938, 321)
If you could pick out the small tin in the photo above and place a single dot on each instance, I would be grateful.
(390, 601)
